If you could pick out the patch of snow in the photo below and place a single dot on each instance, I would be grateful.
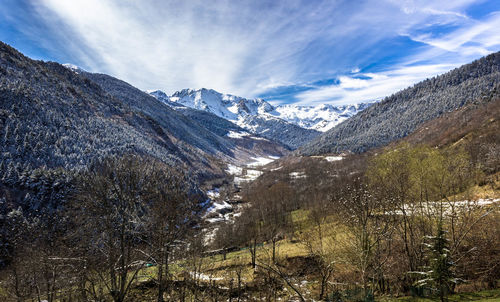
(447, 206)
(259, 138)
(220, 205)
(204, 277)
(212, 194)
(253, 174)
(234, 170)
(333, 158)
(215, 219)
(262, 161)
(249, 176)
(296, 175)
(234, 134)
(73, 67)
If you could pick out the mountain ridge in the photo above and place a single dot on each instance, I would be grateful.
(52, 116)
(292, 125)
(321, 117)
(400, 114)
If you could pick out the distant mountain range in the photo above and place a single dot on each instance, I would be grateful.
(292, 125)
(402, 113)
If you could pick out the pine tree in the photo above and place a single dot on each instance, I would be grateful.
(439, 276)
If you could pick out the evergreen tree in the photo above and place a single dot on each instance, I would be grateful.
(439, 276)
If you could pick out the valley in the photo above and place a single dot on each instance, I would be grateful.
(110, 193)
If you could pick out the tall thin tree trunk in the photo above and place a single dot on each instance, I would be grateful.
(160, 282)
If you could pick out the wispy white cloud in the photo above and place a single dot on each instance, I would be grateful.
(477, 38)
(253, 47)
(371, 87)
(220, 45)
(470, 40)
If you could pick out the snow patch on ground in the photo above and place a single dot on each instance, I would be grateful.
(259, 138)
(448, 207)
(234, 170)
(212, 194)
(296, 175)
(234, 134)
(204, 277)
(262, 161)
(249, 176)
(333, 158)
(220, 205)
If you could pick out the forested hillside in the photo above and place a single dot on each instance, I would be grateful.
(55, 121)
(400, 114)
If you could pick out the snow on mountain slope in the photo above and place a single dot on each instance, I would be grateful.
(321, 118)
(224, 105)
(292, 125)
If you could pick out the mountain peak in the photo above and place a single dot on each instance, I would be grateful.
(237, 109)
(73, 67)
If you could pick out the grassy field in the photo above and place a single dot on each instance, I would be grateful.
(486, 295)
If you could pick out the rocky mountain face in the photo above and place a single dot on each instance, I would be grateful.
(401, 113)
(292, 125)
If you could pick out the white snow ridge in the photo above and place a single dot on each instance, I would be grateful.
(236, 109)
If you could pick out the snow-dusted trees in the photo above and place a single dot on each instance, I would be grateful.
(401, 113)
(111, 206)
(131, 211)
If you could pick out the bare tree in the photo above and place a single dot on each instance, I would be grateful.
(110, 212)
(173, 211)
(271, 205)
(320, 241)
(368, 228)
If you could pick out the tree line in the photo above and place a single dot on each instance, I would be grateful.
(123, 214)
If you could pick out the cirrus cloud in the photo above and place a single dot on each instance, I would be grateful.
(284, 51)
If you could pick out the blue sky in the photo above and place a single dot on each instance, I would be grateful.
(304, 52)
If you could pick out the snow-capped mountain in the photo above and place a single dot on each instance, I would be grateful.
(292, 125)
(224, 105)
(322, 118)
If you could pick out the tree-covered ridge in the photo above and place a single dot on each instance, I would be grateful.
(53, 117)
(401, 113)
(286, 133)
(176, 124)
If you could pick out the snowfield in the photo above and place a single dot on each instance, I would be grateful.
(297, 175)
(448, 207)
(234, 170)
